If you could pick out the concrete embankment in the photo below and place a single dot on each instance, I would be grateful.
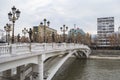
(105, 54)
(102, 57)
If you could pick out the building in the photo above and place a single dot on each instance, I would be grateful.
(105, 26)
(76, 31)
(38, 33)
(76, 35)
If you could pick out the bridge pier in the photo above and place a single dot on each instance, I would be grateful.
(41, 67)
(6, 74)
(21, 72)
(38, 69)
(18, 72)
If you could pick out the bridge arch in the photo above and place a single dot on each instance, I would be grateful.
(80, 54)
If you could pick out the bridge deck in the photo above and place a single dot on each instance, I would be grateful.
(12, 56)
(14, 52)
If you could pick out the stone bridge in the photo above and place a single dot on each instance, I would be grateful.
(35, 61)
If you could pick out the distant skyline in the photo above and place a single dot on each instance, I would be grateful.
(83, 13)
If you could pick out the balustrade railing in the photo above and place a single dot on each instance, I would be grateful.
(22, 48)
(5, 50)
(15, 49)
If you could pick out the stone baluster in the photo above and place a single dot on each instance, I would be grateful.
(4, 50)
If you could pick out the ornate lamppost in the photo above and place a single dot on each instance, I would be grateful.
(13, 16)
(7, 29)
(64, 29)
(44, 25)
(24, 31)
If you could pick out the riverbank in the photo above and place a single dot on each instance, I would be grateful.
(105, 54)
(103, 57)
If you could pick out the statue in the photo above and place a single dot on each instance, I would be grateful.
(30, 34)
(18, 37)
(53, 37)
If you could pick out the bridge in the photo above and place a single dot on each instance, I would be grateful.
(35, 61)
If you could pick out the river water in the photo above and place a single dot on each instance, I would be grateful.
(89, 69)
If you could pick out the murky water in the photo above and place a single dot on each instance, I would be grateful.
(91, 69)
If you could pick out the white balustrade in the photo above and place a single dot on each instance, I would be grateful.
(49, 46)
(24, 48)
(38, 47)
(5, 50)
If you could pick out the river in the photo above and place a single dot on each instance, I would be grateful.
(89, 69)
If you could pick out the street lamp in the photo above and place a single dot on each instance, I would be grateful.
(13, 16)
(64, 29)
(24, 31)
(7, 29)
(44, 25)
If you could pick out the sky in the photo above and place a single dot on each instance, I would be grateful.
(83, 13)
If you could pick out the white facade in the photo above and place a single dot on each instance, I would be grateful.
(105, 26)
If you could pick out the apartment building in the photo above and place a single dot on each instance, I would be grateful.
(105, 27)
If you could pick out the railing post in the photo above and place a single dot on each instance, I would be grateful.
(52, 45)
(64, 44)
(44, 44)
(30, 46)
(13, 49)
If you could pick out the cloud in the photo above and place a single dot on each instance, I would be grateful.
(83, 13)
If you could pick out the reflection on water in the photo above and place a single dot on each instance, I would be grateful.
(91, 69)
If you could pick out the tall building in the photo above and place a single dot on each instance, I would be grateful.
(105, 26)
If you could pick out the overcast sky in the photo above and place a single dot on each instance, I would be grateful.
(83, 13)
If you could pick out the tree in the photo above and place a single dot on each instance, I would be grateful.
(88, 39)
(113, 40)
